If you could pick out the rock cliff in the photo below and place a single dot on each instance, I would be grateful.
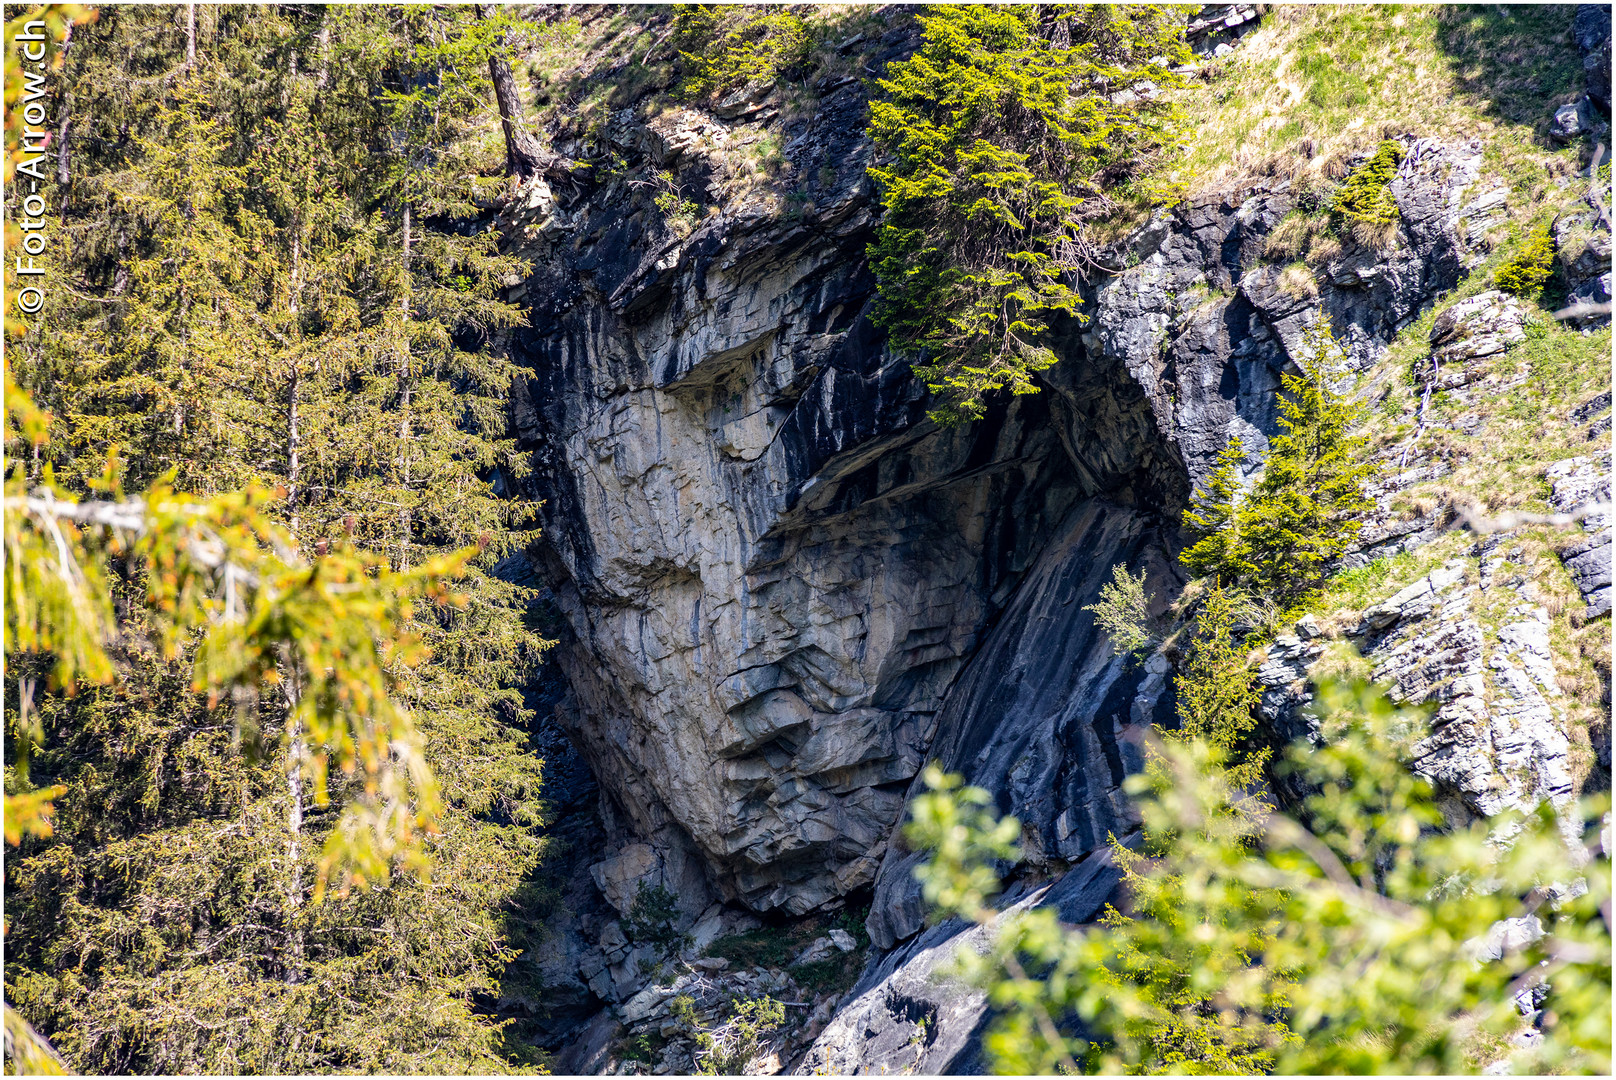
(781, 589)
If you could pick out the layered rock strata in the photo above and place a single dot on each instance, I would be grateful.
(781, 589)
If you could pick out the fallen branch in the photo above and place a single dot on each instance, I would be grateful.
(1473, 519)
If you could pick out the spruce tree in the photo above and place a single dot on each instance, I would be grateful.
(273, 286)
(1306, 509)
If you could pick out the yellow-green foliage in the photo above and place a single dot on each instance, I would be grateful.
(1217, 690)
(1338, 942)
(1305, 510)
(724, 47)
(727, 1049)
(1124, 613)
(999, 138)
(1365, 195)
(1525, 274)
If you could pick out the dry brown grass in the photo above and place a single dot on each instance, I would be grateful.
(1375, 236)
(1297, 281)
(1323, 248)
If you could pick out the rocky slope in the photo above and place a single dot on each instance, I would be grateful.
(781, 589)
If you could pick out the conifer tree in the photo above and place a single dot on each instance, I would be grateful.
(272, 286)
(1306, 509)
(1001, 137)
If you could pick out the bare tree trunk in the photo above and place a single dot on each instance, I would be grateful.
(120, 277)
(190, 36)
(404, 425)
(324, 40)
(295, 950)
(293, 442)
(407, 223)
(67, 119)
(524, 156)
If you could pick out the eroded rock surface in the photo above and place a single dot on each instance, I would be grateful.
(907, 1016)
(1498, 736)
(771, 567)
(1578, 483)
(782, 589)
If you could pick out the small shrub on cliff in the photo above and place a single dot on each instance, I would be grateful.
(1124, 614)
(651, 916)
(1365, 197)
(1525, 274)
(1000, 138)
(1305, 510)
(723, 47)
(727, 1049)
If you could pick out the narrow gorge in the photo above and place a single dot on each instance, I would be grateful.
(815, 539)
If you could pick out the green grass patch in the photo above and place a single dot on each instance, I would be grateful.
(1316, 84)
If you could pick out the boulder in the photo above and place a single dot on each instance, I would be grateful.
(1485, 325)
(620, 877)
(1572, 121)
(820, 948)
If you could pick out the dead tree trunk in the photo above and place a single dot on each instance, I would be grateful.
(67, 119)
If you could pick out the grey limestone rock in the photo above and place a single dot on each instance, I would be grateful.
(1591, 28)
(1575, 483)
(907, 1016)
(1482, 326)
(1497, 737)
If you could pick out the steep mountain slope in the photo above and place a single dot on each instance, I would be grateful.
(781, 589)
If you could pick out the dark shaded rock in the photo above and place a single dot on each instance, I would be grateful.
(1045, 717)
(586, 1054)
(1591, 28)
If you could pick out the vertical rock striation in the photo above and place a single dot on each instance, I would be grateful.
(782, 589)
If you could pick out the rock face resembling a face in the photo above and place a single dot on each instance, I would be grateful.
(771, 566)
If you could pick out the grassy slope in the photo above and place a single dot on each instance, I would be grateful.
(1314, 86)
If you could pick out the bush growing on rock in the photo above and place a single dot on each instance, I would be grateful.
(727, 1049)
(1349, 939)
(724, 47)
(1365, 197)
(1001, 137)
(1124, 613)
(651, 915)
(1525, 274)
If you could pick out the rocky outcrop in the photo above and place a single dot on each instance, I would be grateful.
(1204, 327)
(1472, 330)
(1577, 483)
(1591, 29)
(1498, 735)
(771, 567)
(1214, 29)
(781, 589)
(907, 1016)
